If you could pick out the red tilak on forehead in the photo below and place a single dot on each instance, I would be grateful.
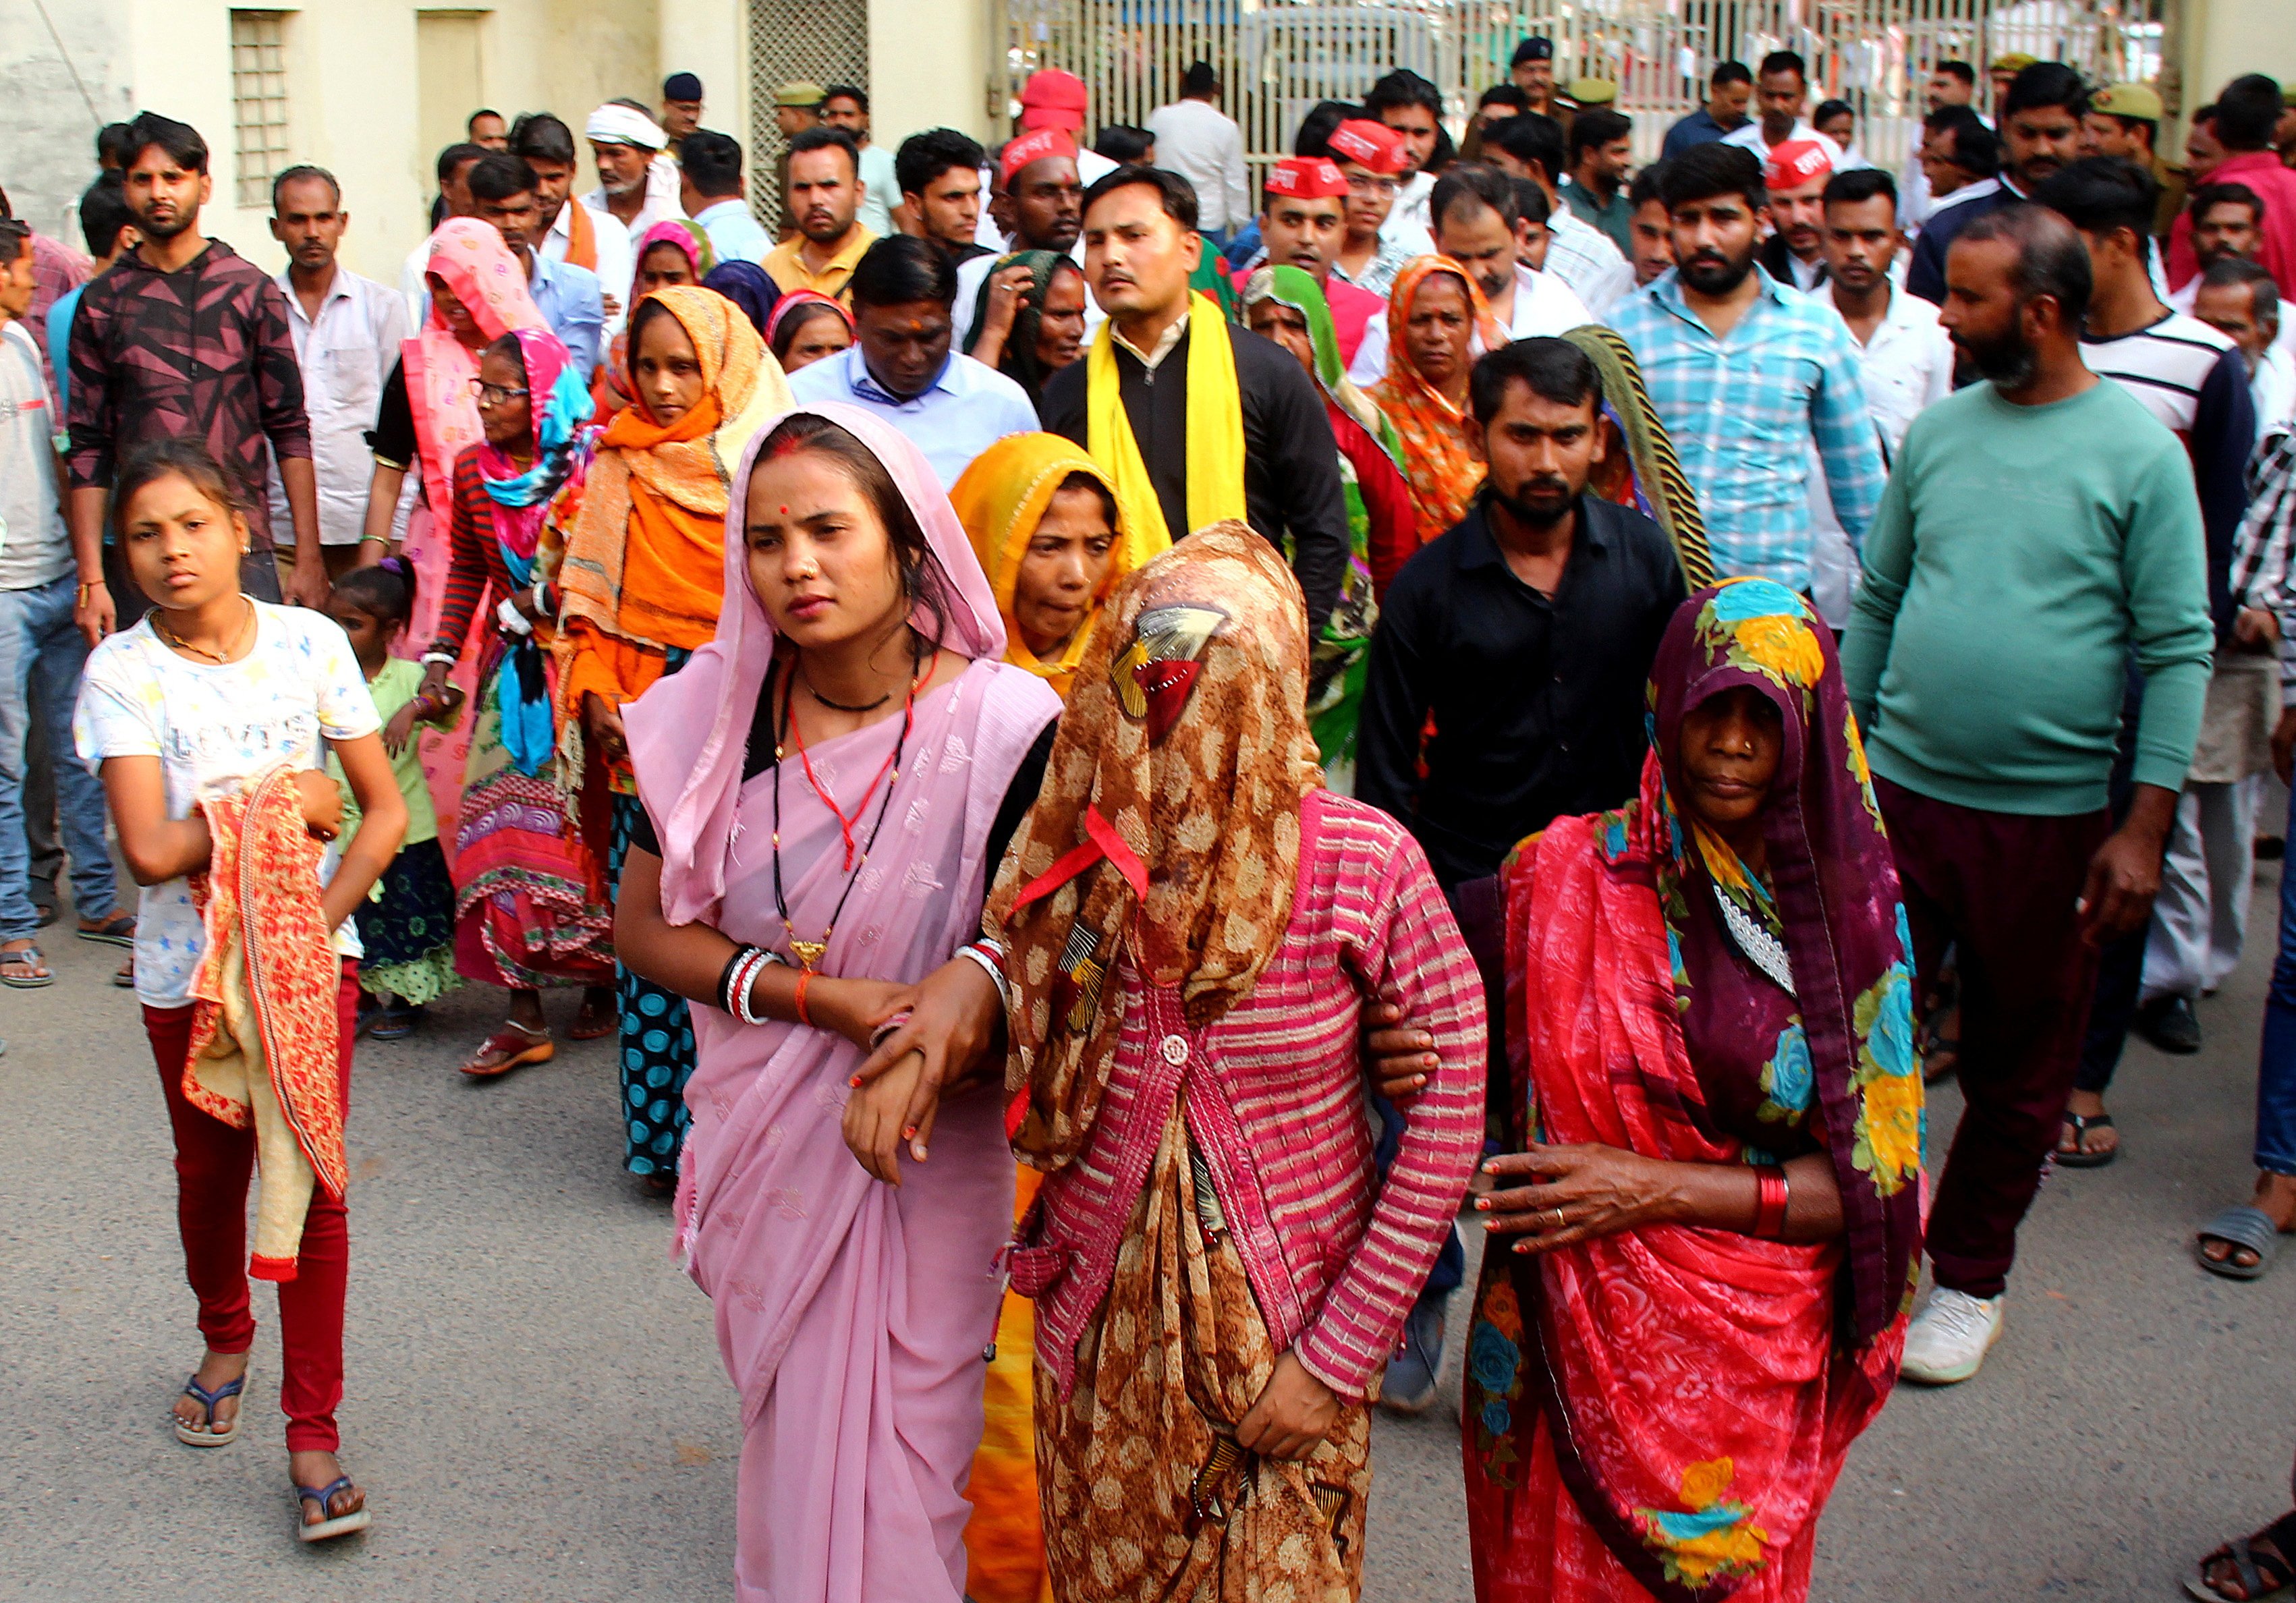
(784, 512)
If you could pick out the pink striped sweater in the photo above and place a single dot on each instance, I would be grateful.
(1274, 1097)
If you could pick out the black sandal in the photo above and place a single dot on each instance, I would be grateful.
(2258, 1574)
(2080, 1157)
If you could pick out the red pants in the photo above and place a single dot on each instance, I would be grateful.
(2000, 886)
(213, 1165)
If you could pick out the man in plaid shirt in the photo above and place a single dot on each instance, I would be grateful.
(1747, 375)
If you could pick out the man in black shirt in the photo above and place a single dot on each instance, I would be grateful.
(1141, 245)
(1527, 631)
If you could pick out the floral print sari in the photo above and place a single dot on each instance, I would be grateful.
(1662, 1412)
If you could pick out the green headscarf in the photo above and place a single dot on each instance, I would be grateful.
(1296, 289)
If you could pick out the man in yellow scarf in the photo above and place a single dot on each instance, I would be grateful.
(1212, 421)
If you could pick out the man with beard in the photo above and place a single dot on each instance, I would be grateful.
(183, 336)
(1303, 220)
(2040, 133)
(1542, 591)
(824, 202)
(570, 232)
(637, 184)
(1795, 177)
(1532, 72)
(1601, 151)
(1757, 383)
(2192, 379)
(1477, 225)
(1905, 359)
(1195, 435)
(2038, 530)
(1581, 255)
(900, 366)
(2247, 114)
(347, 330)
(1412, 109)
(938, 173)
(1044, 199)
(1525, 633)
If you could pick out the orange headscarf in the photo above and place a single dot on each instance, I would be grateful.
(645, 562)
(1442, 473)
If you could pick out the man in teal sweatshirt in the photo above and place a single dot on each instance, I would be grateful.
(2039, 531)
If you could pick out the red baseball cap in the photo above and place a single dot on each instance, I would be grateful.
(1039, 146)
(1795, 163)
(1372, 145)
(1306, 178)
(1054, 99)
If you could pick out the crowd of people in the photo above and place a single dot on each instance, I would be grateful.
(1500, 685)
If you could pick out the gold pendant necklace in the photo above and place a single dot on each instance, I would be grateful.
(219, 658)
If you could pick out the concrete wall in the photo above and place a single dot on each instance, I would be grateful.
(928, 67)
(2224, 39)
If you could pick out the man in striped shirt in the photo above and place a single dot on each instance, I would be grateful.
(1748, 375)
(2191, 377)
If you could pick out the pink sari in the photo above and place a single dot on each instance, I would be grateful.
(850, 1315)
(471, 260)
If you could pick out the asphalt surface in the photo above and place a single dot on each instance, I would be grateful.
(536, 1409)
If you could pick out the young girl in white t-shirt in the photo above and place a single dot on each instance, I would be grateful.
(209, 691)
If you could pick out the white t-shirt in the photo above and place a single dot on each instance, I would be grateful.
(214, 727)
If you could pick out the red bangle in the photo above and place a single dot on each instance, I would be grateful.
(805, 978)
(1770, 1202)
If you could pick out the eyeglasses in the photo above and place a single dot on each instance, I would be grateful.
(1364, 184)
(495, 394)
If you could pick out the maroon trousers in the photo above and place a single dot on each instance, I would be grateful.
(2000, 886)
(213, 1165)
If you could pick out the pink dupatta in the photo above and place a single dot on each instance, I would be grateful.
(469, 255)
(850, 1315)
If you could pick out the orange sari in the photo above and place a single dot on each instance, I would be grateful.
(1442, 472)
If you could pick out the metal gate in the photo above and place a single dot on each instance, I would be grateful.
(824, 41)
(1278, 58)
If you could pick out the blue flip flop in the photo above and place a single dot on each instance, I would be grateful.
(358, 1519)
(193, 1389)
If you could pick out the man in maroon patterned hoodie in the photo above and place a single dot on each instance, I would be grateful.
(186, 337)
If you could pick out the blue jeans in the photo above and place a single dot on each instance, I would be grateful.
(2276, 1068)
(35, 626)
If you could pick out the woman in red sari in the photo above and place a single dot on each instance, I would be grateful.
(1695, 1293)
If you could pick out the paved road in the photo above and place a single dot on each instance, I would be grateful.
(537, 1407)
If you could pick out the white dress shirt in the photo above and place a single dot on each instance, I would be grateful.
(881, 193)
(961, 412)
(346, 352)
(617, 266)
(734, 234)
(1200, 143)
(1407, 223)
(1749, 138)
(1543, 305)
(1905, 367)
(1587, 259)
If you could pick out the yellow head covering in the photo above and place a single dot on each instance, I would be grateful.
(1001, 499)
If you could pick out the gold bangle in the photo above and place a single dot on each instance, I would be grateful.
(378, 539)
(88, 588)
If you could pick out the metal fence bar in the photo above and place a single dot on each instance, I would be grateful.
(1277, 58)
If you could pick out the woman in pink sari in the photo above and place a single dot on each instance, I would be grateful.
(1694, 1296)
(827, 786)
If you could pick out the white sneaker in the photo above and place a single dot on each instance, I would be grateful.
(1950, 1336)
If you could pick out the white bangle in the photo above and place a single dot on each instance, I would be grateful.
(746, 982)
(988, 967)
(445, 658)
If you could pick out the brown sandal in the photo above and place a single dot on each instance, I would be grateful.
(595, 1023)
(507, 1049)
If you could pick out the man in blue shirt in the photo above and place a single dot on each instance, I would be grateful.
(507, 192)
(1752, 379)
(900, 367)
(709, 177)
(108, 227)
(1728, 92)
